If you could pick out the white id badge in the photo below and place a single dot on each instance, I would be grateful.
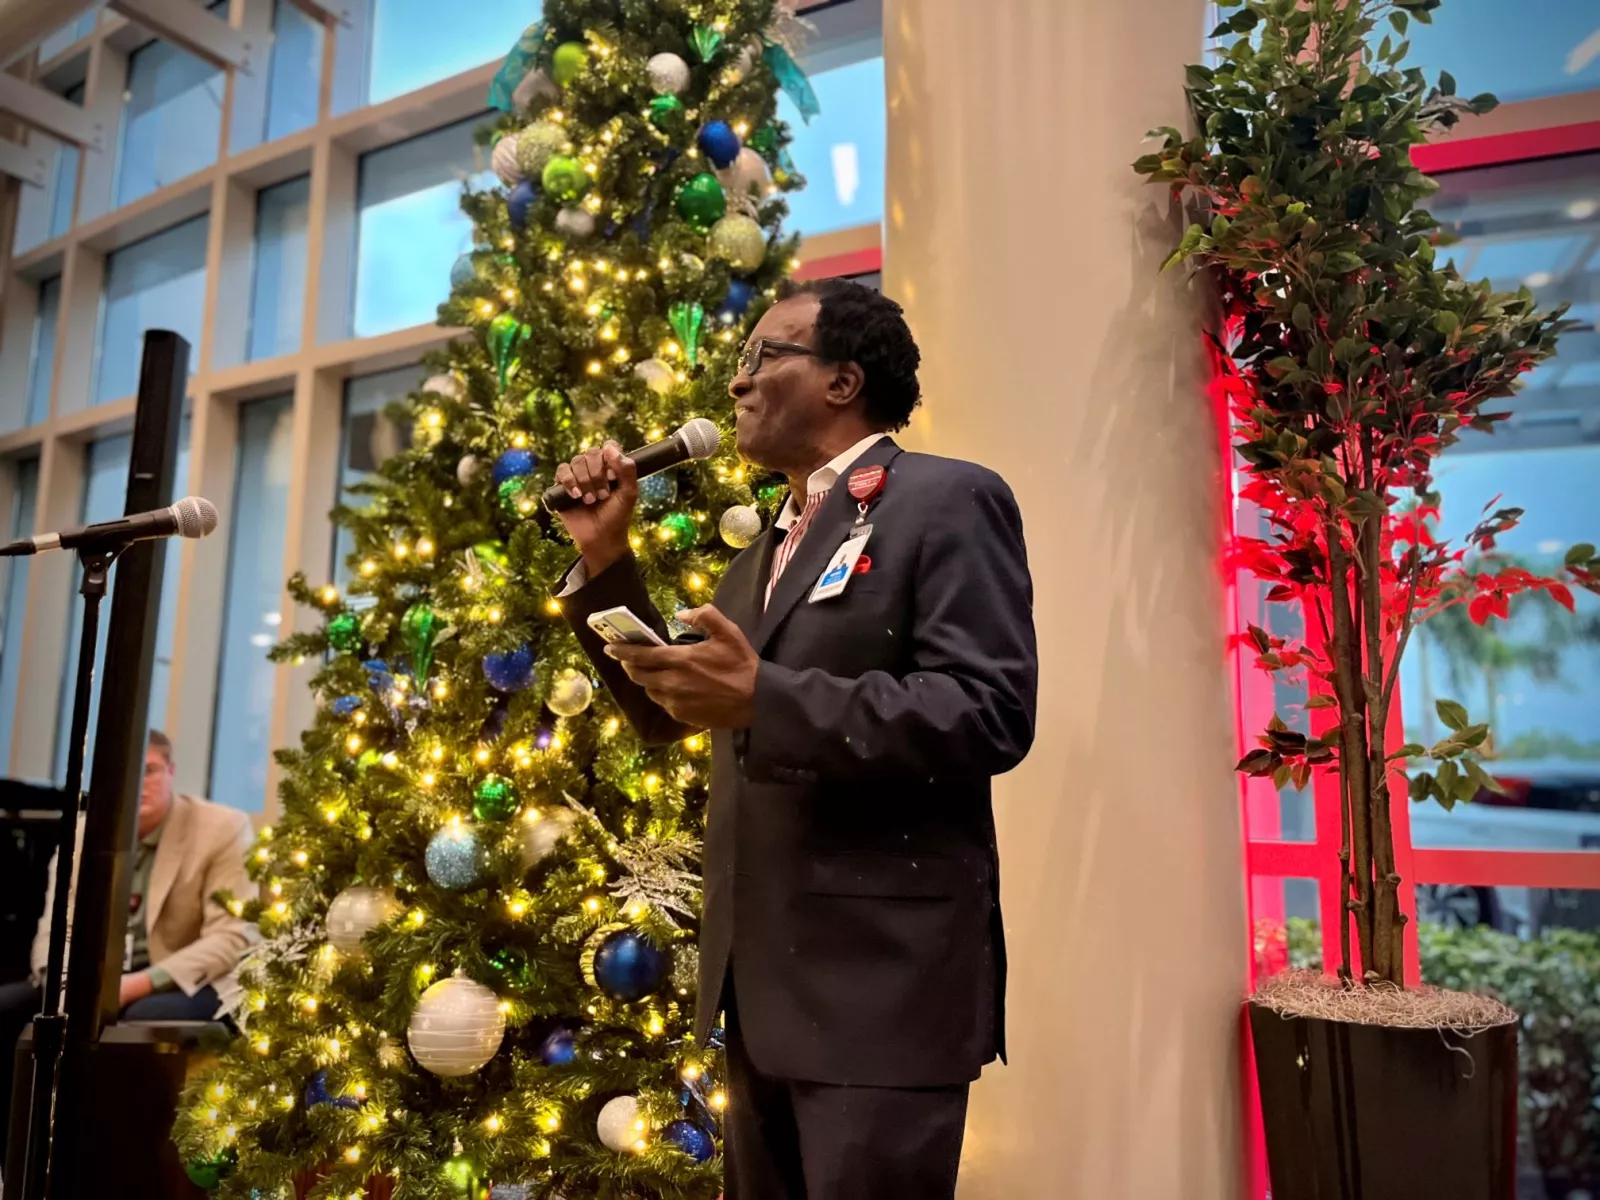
(842, 565)
(127, 952)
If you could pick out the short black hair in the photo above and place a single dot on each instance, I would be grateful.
(859, 324)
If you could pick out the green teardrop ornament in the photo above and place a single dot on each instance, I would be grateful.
(505, 338)
(688, 321)
(418, 628)
(706, 42)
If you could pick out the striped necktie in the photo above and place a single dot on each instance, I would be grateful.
(791, 542)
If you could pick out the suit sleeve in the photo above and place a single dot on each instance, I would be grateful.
(966, 705)
(224, 938)
(621, 586)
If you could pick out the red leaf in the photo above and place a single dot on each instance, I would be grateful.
(1480, 609)
(1561, 594)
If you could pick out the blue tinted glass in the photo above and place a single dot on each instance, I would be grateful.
(46, 212)
(158, 283)
(278, 290)
(1518, 52)
(368, 438)
(1535, 677)
(171, 121)
(105, 494)
(410, 227)
(412, 47)
(841, 152)
(69, 33)
(15, 591)
(41, 371)
(240, 750)
(66, 180)
(296, 71)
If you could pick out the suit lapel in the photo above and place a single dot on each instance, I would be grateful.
(170, 851)
(837, 514)
(739, 594)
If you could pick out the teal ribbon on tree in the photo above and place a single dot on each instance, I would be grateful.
(515, 69)
(791, 78)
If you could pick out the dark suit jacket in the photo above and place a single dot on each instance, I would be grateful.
(851, 878)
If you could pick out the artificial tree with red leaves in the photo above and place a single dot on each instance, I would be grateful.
(1352, 358)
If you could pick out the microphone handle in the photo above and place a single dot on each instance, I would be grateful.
(647, 460)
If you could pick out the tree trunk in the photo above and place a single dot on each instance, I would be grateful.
(1357, 900)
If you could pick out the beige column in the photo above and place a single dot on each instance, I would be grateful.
(1026, 253)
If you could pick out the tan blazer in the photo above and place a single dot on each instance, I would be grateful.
(192, 937)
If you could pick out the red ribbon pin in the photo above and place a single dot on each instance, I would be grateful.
(866, 482)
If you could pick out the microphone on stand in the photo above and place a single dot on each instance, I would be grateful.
(698, 438)
(191, 517)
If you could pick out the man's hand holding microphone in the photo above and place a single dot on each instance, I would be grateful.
(707, 685)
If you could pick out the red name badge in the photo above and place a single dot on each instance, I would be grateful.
(866, 482)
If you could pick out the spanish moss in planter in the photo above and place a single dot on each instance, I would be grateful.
(1351, 358)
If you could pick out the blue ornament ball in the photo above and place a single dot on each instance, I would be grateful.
(511, 671)
(456, 858)
(558, 1048)
(737, 303)
(519, 201)
(463, 273)
(691, 1139)
(719, 143)
(317, 1093)
(627, 967)
(345, 705)
(513, 464)
(658, 491)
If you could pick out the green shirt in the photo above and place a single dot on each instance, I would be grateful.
(137, 956)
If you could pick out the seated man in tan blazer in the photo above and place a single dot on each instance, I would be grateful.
(182, 946)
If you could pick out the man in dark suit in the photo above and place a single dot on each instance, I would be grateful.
(852, 926)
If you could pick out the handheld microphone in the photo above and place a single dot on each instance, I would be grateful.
(191, 517)
(698, 438)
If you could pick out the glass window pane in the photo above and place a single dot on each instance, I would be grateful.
(58, 41)
(105, 494)
(158, 283)
(841, 152)
(171, 119)
(14, 589)
(41, 368)
(368, 438)
(1518, 52)
(1548, 970)
(410, 227)
(412, 47)
(1535, 677)
(240, 750)
(66, 178)
(46, 212)
(278, 291)
(1288, 928)
(296, 71)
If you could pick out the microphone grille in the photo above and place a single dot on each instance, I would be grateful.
(195, 515)
(701, 437)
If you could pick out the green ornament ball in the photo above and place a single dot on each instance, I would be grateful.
(678, 530)
(666, 112)
(771, 495)
(512, 964)
(702, 202)
(537, 145)
(739, 241)
(344, 633)
(568, 62)
(494, 799)
(208, 1171)
(513, 496)
(565, 179)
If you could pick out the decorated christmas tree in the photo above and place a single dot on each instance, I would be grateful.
(481, 896)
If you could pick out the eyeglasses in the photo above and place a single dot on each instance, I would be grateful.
(750, 357)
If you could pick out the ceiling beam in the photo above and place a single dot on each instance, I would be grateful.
(43, 110)
(337, 11)
(26, 23)
(27, 163)
(186, 24)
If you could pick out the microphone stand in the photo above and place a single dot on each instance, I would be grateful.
(49, 1026)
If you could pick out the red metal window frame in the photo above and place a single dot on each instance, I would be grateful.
(1268, 862)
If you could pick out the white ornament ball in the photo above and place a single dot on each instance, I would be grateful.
(740, 525)
(658, 376)
(444, 385)
(669, 74)
(456, 1027)
(570, 694)
(504, 161)
(355, 912)
(539, 837)
(746, 175)
(739, 241)
(749, 56)
(618, 1125)
(537, 145)
(575, 222)
(467, 469)
(535, 86)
